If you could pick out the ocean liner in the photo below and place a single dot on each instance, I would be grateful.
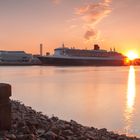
(64, 56)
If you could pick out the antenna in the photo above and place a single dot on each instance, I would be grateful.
(63, 45)
(114, 50)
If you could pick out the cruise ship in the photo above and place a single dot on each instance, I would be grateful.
(64, 56)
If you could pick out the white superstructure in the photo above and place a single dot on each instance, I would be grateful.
(95, 53)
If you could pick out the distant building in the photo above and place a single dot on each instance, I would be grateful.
(15, 57)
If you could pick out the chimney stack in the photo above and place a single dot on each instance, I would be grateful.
(41, 49)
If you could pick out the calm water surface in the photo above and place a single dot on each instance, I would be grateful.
(94, 96)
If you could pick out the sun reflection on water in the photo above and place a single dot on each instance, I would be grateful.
(131, 94)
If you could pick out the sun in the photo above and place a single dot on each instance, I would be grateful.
(132, 55)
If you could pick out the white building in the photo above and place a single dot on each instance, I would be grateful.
(15, 57)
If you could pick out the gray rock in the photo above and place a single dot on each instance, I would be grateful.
(67, 132)
(26, 137)
(40, 131)
(11, 136)
(54, 118)
(61, 138)
(122, 138)
(50, 135)
(27, 124)
(24, 130)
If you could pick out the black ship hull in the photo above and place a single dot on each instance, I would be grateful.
(56, 61)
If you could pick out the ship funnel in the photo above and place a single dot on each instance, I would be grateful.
(96, 47)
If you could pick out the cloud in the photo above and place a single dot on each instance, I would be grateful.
(91, 34)
(56, 1)
(92, 14)
(107, 1)
(73, 26)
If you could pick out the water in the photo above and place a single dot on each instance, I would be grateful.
(93, 96)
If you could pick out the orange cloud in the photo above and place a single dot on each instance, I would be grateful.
(107, 1)
(56, 1)
(90, 33)
(92, 14)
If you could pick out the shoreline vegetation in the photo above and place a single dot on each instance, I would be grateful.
(27, 124)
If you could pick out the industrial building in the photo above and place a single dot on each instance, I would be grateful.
(15, 57)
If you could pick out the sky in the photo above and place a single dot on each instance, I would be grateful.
(24, 24)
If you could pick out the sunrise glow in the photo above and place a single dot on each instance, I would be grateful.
(84, 23)
(132, 55)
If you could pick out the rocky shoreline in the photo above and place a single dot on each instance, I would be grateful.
(27, 124)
